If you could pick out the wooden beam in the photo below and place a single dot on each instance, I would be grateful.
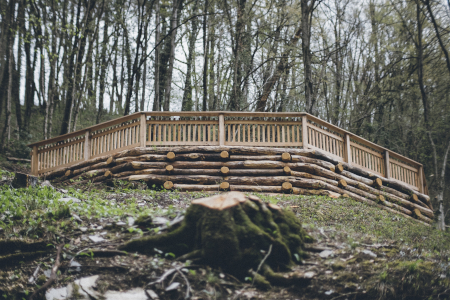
(420, 180)
(305, 132)
(221, 130)
(387, 172)
(143, 130)
(87, 146)
(34, 161)
(347, 149)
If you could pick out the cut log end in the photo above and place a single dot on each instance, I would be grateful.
(169, 168)
(170, 156)
(378, 182)
(285, 156)
(107, 174)
(168, 185)
(221, 202)
(342, 183)
(224, 186)
(339, 168)
(417, 213)
(109, 160)
(68, 173)
(286, 186)
(224, 154)
(224, 170)
(381, 199)
(414, 198)
(287, 170)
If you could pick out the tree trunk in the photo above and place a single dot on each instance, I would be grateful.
(103, 68)
(187, 103)
(156, 103)
(173, 28)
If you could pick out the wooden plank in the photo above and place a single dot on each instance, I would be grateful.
(405, 166)
(347, 149)
(142, 130)
(222, 130)
(87, 146)
(420, 181)
(193, 143)
(305, 141)
(183, 122)
(34, 161)
(263, 144)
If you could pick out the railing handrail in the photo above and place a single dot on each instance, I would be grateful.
(226, 114)
(82, 131)
(303, 120)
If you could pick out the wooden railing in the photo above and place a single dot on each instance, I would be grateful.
(224, 129)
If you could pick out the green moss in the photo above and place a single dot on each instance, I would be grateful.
(235, 239)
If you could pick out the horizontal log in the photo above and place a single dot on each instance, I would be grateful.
(376, 198)
(300, 191)
(199, 156)
(323, 164)
(138, 165)
(255, 157)
(310, 176)
(97, 166)
(145, 157)
(186, 179)
(238, 150)
(88, 174)
(257, 189)
(196, 187)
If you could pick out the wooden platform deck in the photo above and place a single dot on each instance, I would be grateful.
(223, 128)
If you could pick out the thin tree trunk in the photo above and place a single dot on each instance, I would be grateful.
(173, 26)
(187, 103)
(307, 11)
(103, 68)
(205, 58)
(156, 103)
(144, 75)
(10, 80)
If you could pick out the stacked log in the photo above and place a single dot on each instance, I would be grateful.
(249, 169)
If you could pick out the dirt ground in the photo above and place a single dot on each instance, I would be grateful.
(341, 264)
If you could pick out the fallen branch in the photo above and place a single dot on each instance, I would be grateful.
(52, 275)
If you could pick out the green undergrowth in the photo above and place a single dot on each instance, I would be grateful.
(360, 221)
(38, 210)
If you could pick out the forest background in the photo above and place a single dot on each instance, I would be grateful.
(380, 69)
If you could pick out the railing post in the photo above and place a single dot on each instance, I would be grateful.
(387, 165)
(34, 161)
(143, 130)
(347, 149)
(87, 146)
(420, 180)
(305, 132)
(221, 130)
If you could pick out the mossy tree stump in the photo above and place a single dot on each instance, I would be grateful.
(234, 232)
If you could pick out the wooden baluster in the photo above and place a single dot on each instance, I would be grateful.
(199, 133)
(278, 134)
(282, 134)
(222, 130)
(35, 161)
(259, 133)
(263, 132)
(420, 179)
(204, 133)
(239, 133)
(387, 169)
